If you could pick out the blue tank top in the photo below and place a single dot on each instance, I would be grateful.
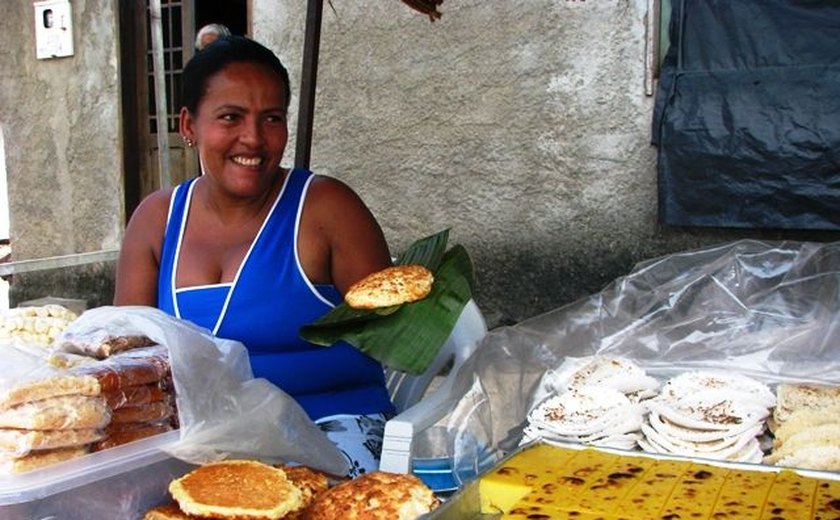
(268, 301)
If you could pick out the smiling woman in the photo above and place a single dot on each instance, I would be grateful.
(253, 251)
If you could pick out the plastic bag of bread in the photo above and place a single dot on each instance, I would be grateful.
(230, 412)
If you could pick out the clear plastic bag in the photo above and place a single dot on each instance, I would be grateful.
(767, 310)
(223, 410)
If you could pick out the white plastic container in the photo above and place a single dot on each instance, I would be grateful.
(119, 483)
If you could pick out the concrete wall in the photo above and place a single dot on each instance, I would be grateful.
(60, 121)
(61, 125)
(521, 124)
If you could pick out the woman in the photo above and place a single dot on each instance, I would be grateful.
(252, 251)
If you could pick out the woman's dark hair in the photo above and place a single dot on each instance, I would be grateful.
(218, 55)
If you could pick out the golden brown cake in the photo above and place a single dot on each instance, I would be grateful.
(376, 495)
(391, 286)
(310, 482)
(545, 481)
(236, 489)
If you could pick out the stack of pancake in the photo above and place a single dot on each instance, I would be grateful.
(598, 403)
(708, 414)
(252, 490)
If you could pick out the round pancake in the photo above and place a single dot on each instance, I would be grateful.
(689, 383)
(620, 373)
(310, 482)
(391, 286)
(711, 410)
(585, 411)
(376, 495)
(240, 489)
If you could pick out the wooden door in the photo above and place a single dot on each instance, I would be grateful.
(179, 21)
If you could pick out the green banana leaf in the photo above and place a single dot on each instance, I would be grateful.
(406, 337)
(427, 251)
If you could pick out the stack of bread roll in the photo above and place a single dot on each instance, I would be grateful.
(36, 325)
(806, 423)
(86, 407)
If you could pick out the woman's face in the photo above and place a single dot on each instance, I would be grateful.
(240, 128)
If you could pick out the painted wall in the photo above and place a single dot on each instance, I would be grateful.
(60, 121)
(61, 125)
(522, 125)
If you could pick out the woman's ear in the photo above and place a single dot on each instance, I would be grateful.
(185, 124)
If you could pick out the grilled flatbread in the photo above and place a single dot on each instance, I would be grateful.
(310, 482)
(167, 512)
(391, 286)
(376, 495)
(236, 489)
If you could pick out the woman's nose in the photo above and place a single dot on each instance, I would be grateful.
(251, 134)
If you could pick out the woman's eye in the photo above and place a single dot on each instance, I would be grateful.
(229, 117)
(276, 118)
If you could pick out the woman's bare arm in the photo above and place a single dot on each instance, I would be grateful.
(341, 241)
(138, 264)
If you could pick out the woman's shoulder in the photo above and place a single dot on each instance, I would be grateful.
(153, 209)
(331, 190)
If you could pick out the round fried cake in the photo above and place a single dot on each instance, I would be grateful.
(376, 495)
(310, 482)
(236, 489)
(391, 286)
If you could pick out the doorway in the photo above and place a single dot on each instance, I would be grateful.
(180, 19)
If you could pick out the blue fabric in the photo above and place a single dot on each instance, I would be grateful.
(268, 302)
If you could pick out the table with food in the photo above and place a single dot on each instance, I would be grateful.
(704, 384)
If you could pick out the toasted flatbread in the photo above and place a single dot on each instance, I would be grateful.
(391, 286)
(167, 512)
(310, 482)
(795, 396)
(58, 413)
(236, 489)
(21, 442)
(376, 495)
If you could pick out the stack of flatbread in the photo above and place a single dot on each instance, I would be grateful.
(807, 427)
(242, 489)
(252, 490)
(93, 405)
(597, 403)
(708, 414)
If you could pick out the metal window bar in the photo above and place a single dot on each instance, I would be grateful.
(58, 262)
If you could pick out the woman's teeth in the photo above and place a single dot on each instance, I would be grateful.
(247, 161)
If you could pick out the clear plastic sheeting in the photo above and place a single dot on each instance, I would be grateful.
(770, 311)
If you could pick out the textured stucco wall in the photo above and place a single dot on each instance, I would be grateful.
(61, 124)
(523, 125)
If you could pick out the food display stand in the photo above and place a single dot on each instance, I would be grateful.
(769, 311)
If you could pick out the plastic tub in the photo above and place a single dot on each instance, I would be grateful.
(119, 483)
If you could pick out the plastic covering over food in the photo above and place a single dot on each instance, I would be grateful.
(222, 410)
(766, 311)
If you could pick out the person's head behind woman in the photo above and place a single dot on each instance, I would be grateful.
(221, 53)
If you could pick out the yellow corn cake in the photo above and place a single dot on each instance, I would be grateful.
(550, 482)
